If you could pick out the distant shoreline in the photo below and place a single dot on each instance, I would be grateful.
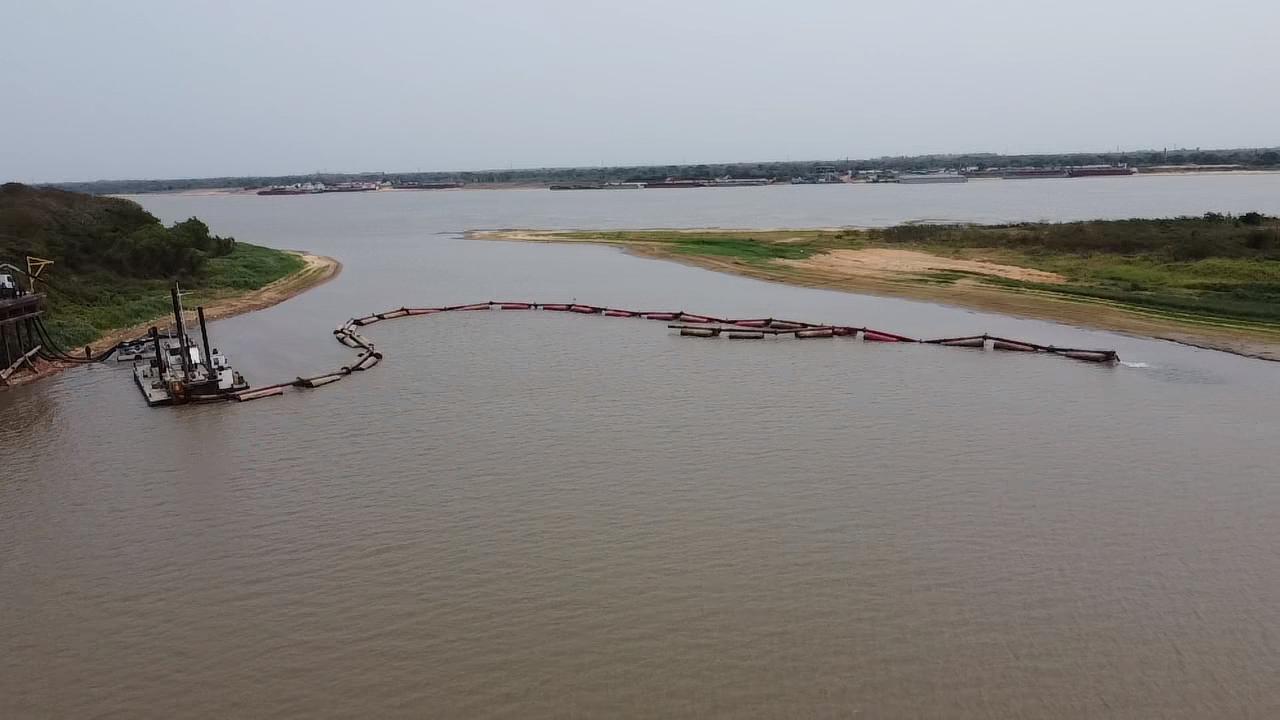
(204, 192)
(528, 185)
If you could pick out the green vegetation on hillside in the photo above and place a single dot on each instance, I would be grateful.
(1215, 266)
(114, 261)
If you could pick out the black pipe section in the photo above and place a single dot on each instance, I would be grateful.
(51, 346)
(58, 353)
(204, 337)
(182, 332)
(155, 342)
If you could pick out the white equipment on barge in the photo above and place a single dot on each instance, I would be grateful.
(174, 371)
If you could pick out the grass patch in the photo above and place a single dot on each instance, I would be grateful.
(85, 307)
(249, 267)
(746, 250)
(1216, 266)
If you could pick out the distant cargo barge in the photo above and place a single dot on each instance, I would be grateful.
(598, 186)
(425, 185)
(305, 189)
(576, 186)
(739, 182)
(929, 178)
(676, 184)
(317, 188)
(1033, 173)
(1100, 171)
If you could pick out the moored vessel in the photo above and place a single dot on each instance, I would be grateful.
(674, 183)
(175, 371)
(1033, 173)
(929, 178)
(1100, 171)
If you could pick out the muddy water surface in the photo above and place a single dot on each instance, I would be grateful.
(537, 515)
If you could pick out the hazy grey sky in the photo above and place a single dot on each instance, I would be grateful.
(179, 88)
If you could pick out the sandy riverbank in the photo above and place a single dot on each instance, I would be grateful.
(317, 269)
(899, 273)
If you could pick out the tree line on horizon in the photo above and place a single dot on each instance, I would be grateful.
(1247, 157)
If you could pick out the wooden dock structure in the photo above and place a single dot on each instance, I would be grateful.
(20, 344)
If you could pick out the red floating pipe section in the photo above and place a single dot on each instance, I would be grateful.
(882, 336)
(686, 317)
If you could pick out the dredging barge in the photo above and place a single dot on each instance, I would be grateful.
(172, 370)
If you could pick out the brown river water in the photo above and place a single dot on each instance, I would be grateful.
(532, 515)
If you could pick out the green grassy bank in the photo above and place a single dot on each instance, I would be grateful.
(96, 303)
(1215, 267)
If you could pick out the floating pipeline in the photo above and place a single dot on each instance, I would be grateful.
(973, 341)
(816, 333)
(690, 325)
